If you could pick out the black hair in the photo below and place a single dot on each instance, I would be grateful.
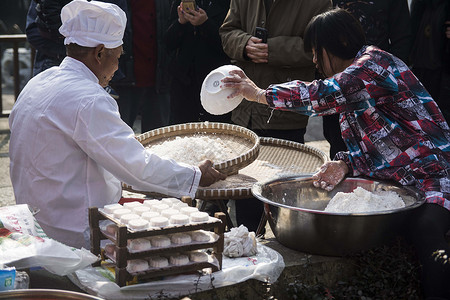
(336, 31)
(77, 51)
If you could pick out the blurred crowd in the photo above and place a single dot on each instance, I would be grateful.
(168, 53)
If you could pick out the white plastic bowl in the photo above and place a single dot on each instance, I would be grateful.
(214, 98)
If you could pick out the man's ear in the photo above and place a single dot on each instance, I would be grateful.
(98, 52)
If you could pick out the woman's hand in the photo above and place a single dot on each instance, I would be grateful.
(243, 86)
(196, 17)
(209, 174)
(330, 174)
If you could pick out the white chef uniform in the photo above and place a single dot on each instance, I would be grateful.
(69, 150)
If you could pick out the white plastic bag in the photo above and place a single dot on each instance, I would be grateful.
(265, 266)
(23, 244)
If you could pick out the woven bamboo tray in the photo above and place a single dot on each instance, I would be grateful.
(239, 139)
(277, 158)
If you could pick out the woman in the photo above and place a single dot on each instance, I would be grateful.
(390, 124)
(193, 41)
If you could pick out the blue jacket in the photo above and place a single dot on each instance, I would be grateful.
(43, 22)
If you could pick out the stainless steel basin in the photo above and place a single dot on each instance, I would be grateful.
(45, 294)
(294, 209)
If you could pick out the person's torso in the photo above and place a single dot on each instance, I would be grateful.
(48, 168)
(400, 135)
(200, 49)
(285, 18)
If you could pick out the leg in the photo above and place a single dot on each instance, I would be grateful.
(295, 135)
(332, 133)
(184, 103)
(155, 109)
(426, 231)
(249, 211)
(128, 104)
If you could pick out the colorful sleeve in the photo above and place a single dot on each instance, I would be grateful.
(341, 93)
(345, 157)
(362, 85)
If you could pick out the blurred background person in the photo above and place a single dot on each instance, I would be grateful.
(144, 89)
(43, 21)
(194, 43)
(282, 58)
(386, 24)
(12, 16)
(430, 55)
(42, 24)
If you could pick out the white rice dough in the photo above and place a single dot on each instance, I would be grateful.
(139, 244)
(363, 201)
(137, 265)
(160, 241)
(179, 259)
(180, 238)
(158, 262)
(199, 217)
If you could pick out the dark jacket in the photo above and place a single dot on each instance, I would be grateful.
(431, 47)
(126, 61)
(286, 22)
(196, 50)
(386, 23)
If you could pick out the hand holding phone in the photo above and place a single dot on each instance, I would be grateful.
(189, 5)
(261, 33)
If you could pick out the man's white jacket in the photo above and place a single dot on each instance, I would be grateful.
(70, 150)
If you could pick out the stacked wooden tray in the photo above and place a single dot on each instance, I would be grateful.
(123, 254)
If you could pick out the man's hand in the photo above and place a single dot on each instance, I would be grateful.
(196, 17)
(209, 174)
(257, 51)
(330, 174)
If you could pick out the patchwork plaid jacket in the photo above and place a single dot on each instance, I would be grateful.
(392, 127)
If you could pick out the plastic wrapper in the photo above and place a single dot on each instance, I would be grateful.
(239, 242)
(265, 266)
(23, 244)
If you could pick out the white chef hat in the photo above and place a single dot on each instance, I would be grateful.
(91, 23)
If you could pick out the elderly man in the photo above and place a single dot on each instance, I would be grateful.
(69, 148)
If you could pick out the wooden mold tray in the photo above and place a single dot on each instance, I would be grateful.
(123, 255)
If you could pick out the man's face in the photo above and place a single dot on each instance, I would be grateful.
(110, 62)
